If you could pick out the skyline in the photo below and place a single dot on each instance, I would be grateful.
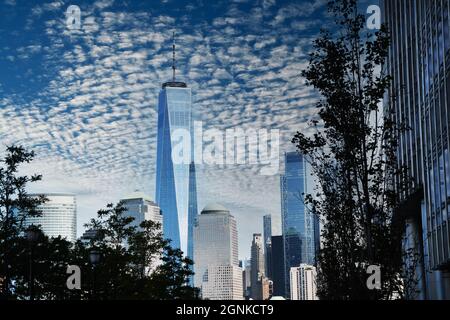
(268, 149)
(87, 106)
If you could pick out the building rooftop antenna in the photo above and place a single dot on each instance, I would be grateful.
(174, 83)
(173, 56)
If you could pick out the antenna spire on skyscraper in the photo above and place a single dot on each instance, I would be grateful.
(173, 57)
(173, 83)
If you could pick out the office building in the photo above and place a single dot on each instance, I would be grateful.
(258, 278)
(174, 179)
(246, 269)
(267, 234)
(419, 63)
(278, 271)
(303, 282)
(192, 213)
(217, 271)
(299, 224)
(58, 216)
(142, 208)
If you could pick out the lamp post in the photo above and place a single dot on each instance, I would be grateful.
(32, 235)
(94, 259)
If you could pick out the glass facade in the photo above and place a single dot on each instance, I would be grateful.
(58, 218)
(298, 223)
(419, 63)
(172, 179)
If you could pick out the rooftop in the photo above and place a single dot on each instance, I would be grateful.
(214, 207)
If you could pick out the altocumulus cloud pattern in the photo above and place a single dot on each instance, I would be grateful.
(86, 101)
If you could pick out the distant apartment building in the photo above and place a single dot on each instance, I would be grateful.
(303, 282)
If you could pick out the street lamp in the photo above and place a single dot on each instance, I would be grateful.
(32, 235)
(94, 259)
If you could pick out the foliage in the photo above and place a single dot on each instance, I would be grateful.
(15, 206)
(353, 157)
(135, 261)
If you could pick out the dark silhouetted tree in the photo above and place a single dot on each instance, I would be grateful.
(15, 206)
(353, 158)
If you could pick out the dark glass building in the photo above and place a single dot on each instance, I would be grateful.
(419, 62)
(278, 276)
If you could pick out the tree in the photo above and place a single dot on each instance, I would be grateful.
(136, 263)
(51, 256)
(353, 158)
(15, 206)
(170, 280)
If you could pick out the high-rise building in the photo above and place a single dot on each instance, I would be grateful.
(174, 178)
(298, 223)
(247, 278)
(217, 271)
(303, 283)
(258, 277)
(419, 63)
(142, 208)
(193, 210)
(59, 216)
(267, 234)
(278, 270)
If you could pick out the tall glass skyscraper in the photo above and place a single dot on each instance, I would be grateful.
(298, 223)
(175, 182)
(419, 63)
(172, 180)
(58, 216)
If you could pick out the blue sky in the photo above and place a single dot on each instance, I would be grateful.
(86, 101)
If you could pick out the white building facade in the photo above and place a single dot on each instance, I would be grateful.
(303, 282)
(58, 216)
(142, 208)
(216, 264)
